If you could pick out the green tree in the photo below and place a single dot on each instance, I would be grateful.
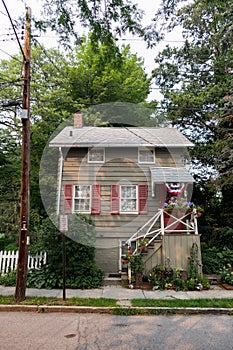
(9, 190)
(105, 19)
(95, 77)
(196, 81)
(59, 87)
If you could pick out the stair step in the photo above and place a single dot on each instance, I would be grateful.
(112, 279)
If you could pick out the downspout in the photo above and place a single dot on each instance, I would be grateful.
(61, 160)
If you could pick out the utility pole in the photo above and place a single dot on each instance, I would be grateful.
(21, 280)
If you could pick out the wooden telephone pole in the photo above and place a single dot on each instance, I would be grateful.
(21, 280)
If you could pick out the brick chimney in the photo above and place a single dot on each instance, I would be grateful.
(78, 120)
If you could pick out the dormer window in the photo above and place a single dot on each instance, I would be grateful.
(96, 155)
(146, 155)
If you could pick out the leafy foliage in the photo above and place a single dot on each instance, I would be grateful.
(162, 278)
(227, 274)
(214, 259)
(196, 81)
(59, 87)
(81, 271)
(96, 77)
(218, 237)
(9, 279)
(166, 277)
(106, 20)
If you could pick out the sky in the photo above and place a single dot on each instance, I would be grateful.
(16, 8)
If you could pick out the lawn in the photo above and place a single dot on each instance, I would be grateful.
(106, 302)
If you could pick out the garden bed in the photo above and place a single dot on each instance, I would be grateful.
(144, 286)
(226, 286)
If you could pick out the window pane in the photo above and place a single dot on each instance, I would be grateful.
(128, 198)
(96, 155)
(146, 156)
(82, 198)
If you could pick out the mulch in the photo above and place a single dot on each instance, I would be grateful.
(226, 286)
(149, 286)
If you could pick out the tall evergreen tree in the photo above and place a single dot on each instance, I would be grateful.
(196, 81)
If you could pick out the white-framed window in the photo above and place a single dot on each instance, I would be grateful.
(146, 155)
(82, 198)
(96, 155)
(128, 199)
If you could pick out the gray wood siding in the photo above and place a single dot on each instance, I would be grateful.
(177, 248)
(120, 167)
(108, 259)
(169, 157)
(174, 248)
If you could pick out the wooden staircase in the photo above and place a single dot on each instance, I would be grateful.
(181, 231)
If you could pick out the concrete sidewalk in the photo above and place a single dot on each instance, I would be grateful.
(123, 297)
(124, 294)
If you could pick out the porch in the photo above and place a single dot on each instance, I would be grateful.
(167, 236)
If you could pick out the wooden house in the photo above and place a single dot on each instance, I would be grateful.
(121, 177)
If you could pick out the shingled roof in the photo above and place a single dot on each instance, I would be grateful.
(168, 174)
(119, 137)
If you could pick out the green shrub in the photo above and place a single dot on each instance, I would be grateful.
(9, 279)
(224, 238)
(217, 237)
(176, 279)
(227, 274)
(214, 259)
(226, 257)
(44, 278)
(166, 277)
(210, 260)
(81, 270)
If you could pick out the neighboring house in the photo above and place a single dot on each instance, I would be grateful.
(121, 176)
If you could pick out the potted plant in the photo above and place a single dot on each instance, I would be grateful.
(180, 204)
(199, 211)
(137, 267)
(125, 258)
(142, 243)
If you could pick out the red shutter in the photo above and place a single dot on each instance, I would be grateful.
(142, 198)
(115, 200)
(67, 204)
(95, 199)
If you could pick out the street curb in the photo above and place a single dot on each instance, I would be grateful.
(120, 310)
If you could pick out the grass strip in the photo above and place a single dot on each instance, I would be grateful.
(214, 303)
(121, 311)
(101, 302)
(106, 302)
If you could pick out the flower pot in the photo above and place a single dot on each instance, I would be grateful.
(142, 248)
(174, 225)
(124, 261)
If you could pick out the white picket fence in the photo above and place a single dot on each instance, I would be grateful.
(9, 261)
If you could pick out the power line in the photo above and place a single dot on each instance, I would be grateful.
(3, 13)
(210, 109)
(8, 14)
(44, 51)
(142, 40)
(13, 57)
(10, 36)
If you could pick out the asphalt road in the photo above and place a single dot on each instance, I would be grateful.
(69, 331)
